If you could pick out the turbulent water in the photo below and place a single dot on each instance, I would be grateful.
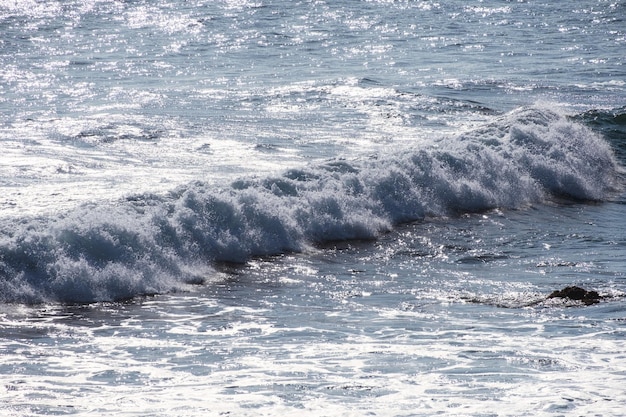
(312, 207)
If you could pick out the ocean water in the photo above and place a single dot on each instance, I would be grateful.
(324, 208)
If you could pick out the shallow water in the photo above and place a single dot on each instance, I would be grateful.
(429, 319)
(312, 208)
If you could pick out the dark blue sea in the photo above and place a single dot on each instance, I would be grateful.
(312, 208)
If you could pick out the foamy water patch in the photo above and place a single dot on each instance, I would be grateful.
(129, 359)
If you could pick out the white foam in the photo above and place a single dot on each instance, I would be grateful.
(151, 244)
(160, 366)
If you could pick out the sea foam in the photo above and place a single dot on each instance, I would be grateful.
(148, 243)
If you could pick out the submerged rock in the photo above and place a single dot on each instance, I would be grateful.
(570, 296)
(578, 294)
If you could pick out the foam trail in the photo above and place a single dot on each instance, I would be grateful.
(153, 244)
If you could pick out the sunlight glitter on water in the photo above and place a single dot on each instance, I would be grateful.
(132, 357)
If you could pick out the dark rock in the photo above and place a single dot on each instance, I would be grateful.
(578, 294)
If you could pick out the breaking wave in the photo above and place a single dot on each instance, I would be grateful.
(158, 243)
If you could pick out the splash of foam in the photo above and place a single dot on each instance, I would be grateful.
(152, 244)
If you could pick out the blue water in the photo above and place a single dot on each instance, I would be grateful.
(312, 208)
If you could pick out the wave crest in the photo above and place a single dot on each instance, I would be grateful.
(151, 244)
